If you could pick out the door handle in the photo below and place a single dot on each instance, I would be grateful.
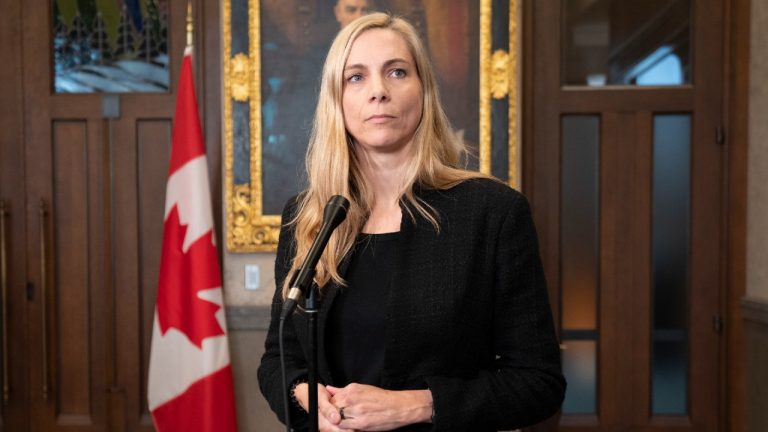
(43, 213)
(4, 283)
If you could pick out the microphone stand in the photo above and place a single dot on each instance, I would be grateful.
(311, 308)
(334, 213)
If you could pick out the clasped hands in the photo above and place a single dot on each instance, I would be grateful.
(366, 408)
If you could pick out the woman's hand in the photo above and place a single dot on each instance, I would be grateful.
(328, 415)
(370, 408)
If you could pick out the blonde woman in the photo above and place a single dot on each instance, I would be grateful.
(434, 311)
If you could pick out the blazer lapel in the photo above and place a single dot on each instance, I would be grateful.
(326, 301)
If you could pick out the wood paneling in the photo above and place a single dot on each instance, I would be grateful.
(733, 370)
(625, 288)
(543, 143)
(13, 315)
(103, 182)
(707, 275)
(153, 138)
(71, 313)
(590, 100)
(625, 257)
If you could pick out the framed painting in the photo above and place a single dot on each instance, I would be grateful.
(273, 56)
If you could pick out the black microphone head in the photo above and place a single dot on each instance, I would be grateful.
(335, 210)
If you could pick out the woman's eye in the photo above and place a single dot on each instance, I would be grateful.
(398, 73)
(355, 78)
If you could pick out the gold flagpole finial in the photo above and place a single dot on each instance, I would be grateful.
(189, 24)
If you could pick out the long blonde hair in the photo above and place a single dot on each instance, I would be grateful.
(332, 165)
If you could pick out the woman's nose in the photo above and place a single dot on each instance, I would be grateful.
(379, 91)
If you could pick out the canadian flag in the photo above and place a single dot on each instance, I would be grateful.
(190, 378)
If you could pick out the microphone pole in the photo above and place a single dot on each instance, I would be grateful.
(312, 307)
(334, 213)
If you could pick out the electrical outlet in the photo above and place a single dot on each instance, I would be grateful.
(252, 277)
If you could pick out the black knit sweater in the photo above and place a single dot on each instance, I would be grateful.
(468, 315)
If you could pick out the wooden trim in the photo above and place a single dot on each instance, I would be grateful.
(544, 195)
(612, 98)
(707, 200)
(209, 94)
(526, 115)
(13, 183)
(736, 103)
(625, 193)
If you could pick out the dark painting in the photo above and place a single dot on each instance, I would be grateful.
(295, 37)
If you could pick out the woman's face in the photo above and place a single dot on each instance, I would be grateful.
(382, 94)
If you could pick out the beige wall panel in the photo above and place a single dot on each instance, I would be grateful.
(757, 192)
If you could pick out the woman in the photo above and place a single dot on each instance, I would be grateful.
(434, 307)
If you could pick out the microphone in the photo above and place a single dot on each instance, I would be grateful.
(334, 213)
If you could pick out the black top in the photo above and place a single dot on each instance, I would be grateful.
(467, 316)
(356, 328)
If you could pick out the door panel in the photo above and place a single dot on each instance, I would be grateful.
(69, 357)
(13, 314)
(625, 242)
(153, 160)
(70, 315)
(144, 152)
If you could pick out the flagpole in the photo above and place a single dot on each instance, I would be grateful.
(189, 25)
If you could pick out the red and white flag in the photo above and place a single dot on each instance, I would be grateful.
(190, 378)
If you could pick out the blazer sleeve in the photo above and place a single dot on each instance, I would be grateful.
(526, 385)
(269, 373)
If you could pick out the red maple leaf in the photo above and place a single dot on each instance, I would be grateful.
(182, 277)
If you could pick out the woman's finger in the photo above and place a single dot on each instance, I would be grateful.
(325, 426)
(332, 390)
(327, 409)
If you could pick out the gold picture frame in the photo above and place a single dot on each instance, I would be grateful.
(248, 228)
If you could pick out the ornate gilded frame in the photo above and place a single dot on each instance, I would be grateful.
(247, 228)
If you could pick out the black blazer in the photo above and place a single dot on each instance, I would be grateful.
(468, 315)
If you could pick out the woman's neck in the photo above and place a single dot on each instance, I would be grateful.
(384, 173)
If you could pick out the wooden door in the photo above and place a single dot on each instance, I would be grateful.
(82, 183)
(625, 178)
(67, 159)
(13, 313)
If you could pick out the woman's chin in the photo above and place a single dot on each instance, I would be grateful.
(384, 145)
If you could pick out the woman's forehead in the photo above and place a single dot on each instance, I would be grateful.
(376, 45)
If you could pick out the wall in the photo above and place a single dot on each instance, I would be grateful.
(248, 318)
(757, 195)
(755, 305)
